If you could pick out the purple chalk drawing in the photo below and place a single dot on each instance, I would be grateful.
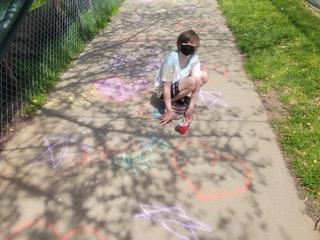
(210, 98)
(116, 90)
(51, 155)
(136, 66)
(190, 8)
(54, 147)
(152, 64)
(173, 216)
(117, 61)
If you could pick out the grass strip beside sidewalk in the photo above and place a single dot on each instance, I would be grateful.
(281, 41)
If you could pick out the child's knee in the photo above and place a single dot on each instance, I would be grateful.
(204, 77)
(193, 83)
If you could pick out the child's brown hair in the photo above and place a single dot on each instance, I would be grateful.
(187, 36)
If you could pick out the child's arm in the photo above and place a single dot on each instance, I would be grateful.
(195, 72)
(194, 97)
(168, 115)
(167, 95)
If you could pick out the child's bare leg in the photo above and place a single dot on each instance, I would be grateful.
(189, 84)
(186, 86)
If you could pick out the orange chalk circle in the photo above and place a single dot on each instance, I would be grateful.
(53, 230)
(243, 187)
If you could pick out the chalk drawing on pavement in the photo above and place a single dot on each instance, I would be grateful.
(238, 167)
(118, 91)
(211, 98)
(150, 112)
(173, 218)
(57, 150)
(142, 158)
(47, 230)
(217, 73)
(191, 8)
(138, 67)
(60, 149)
(135, 65)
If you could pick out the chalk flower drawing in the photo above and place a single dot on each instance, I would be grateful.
(170, 217)
(142, 159)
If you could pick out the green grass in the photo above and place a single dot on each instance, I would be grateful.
(57, 57)
(37, 3)
(281, 41)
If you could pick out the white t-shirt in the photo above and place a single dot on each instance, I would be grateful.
(170, 70)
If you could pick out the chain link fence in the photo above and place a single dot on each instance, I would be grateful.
(49, 38)
(315, 3)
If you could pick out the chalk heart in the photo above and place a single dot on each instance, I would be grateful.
(204, 196)
(119, 91)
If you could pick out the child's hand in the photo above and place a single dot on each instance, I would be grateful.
(166, 117)
(188, 115)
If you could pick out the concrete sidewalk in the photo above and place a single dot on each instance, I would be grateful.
(95, 164)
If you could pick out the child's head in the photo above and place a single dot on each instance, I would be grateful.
(188, 42)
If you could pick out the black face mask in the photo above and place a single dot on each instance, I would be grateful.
(187, 50)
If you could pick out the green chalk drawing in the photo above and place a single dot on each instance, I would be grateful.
(142, 159)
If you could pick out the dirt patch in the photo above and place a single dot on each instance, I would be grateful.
(275, 109)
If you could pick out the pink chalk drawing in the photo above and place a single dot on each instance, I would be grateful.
(118, 91)
(210, 98)
(221, 71)
(168, 217)
(52, 231)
